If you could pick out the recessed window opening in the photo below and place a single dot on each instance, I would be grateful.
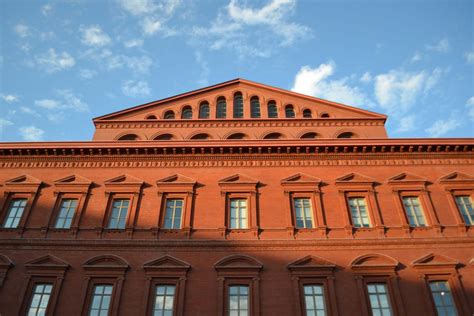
(204, 110)
(129, 137)
(254, 107)
(169, 115)
(164, 137)
(307, 113)
(289, 111)
(272, 110)
(273, 136)
(238, 105)
(309, 135)
(187, 113)
(221, 109)
(201, 136)
(237, 136)
(151, 117)
(346, 135)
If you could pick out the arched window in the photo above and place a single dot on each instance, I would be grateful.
(164, 137)
(254, 107)
(169, 115)
(272, 110)
(309, 135)
(221, 109)
(307, 113)
(237, 136)
(151, 117)
(129, 137)
(204, 110)
(346, 135)
(273, 136)
(238, 105)
(324, 115)
(201, 136)
(289, 111)
(187, 113)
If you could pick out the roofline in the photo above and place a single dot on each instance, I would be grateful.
(234, 81)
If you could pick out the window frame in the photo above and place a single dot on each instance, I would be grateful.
(255, 108)
(28, 297)
(202, 106)
(455, 304)
(175, 196)
(9, 206)
(290, 107)
(272, 103)
(354, 196)
(237, 197)
(407, 195)
(470, 197)
(108, 214)
(302, 196)
(368, 280)
(221, 108)
(236, 107)
(60, 208)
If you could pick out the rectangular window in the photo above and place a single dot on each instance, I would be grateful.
(164, 300)
(465, 207)
(40, 299)
(66, 213)
(379, 299)
(118, 216)
(238, 300)
(101, 297)
(414, 212)
(174, 209)
(15, 211)
(443, 298)
(238, 214)
(314, 300)
(303, 213)
(358, 207)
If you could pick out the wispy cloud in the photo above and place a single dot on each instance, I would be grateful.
(31, 133)
(314, 82)
(470, 108)
(52, 62)
(366, 77)
(443, 46)
(87, 73)
(416, 57)
(106, 58)
(136, 89)
(47, 9)
(469, 57)
(28, 110)
(204, 74)
(5, 122)
(9, 98)
(442, 127)
(407, 123)
(94, 36)
(22, 30)
(65, 102)
(133, 43)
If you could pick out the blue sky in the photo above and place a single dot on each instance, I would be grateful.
(64, 62)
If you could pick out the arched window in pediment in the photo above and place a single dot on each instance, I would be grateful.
(151, 117)
(221, 109)
(273, 136)
(309, 135)
(254, 107)
(346, 135)
(201, 136)
(129, 137)
(289, 111)
(307, 113)
(325, 115)
(164, 137)
(204, 110)
(238, 105)
(169, 115)
(272, 110)
(237, 136)
(187, 113)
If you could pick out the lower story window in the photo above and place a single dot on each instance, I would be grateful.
(379, 299)
(100, 303)
(238, 300)
(15, 211)
(443, 299)
(118, 215)
(238, 214)
(164, 300)
(465, 206)
(358, 207)
(414, 211)
(303, 213)
(174, 209)
(314, 300)
(40, 299)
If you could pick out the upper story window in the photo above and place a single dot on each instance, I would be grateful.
(169, 115)
(324, 115)
(118, 216)
(129, 137)
(238, 300)
(379, 299)
(151, 117)
(164, 137)
(464, 204)
(414, 211)
(15, 212)
(201, 136)
(289, 111)
(273, 136)
(187, 113)
(204, 110)
(221, 108)
(173, 214)
(346, 135)
(359, 214)
(100, 300)
(307, 113)
(238, 214)
(272, 109)
(442, 298)
(303, 213)
(164, 300)
(238, 105)
(254, 107)
(314, 299)
(309, 135)
(237, 136)
(40, 299)
(66, 213)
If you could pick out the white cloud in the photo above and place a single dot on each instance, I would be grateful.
(53, 62)
(416, 57)
(470, 108)
(31, 133)
(94, 36)
(397, 90)
(9, 98)
(87, 73)
(4, 122)
(151, 26)
(107, 59)
(469, 56)
(442, 127)
(67, 100)
(138, 7)
(203, 76)
(22, 30)
(137, 89)
(313, 81)
(366, 77)
(48, 104)
(407, 124)
(442, 46)
(27, 110)
(133, 43)
(46, 9)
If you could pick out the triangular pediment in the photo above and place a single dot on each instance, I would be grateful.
(301, 178)
(124, 179)
(177, 179)
(238, 178)
(47, 261)
(354, 178)
(456, 177)
(156, 109)
(238, 262)
(406, 177)
(166, 262)
(23, 179)
(433, 259)
(374, 260)
(310, 262)
(73, 179)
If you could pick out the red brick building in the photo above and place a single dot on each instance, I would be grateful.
(238, 199)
